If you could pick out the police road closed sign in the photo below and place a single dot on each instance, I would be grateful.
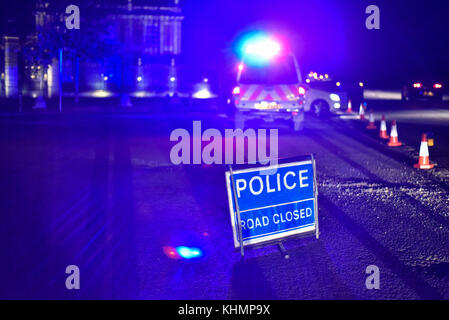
(275, 205)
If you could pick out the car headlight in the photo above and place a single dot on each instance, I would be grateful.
(334, 97)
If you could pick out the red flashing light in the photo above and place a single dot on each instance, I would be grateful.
(170, 252)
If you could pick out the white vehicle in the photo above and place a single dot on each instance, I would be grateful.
(270, 92)
(323, 97)
(322, 102)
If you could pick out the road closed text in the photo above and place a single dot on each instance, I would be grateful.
(271, 220)
(276, 218)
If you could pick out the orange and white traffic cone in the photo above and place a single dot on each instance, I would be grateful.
(349, 110)
(383, 129)
(424, 161)
(361, 112)
(371, 124)
(394, 141)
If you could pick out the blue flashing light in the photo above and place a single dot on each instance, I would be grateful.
(258, 48)
(189, 252)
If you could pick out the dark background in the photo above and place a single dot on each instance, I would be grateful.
(327, 36)
(330, 36)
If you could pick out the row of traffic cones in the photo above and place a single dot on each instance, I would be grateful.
(394, 140)
(424, 159)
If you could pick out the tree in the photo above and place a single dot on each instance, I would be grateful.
(91, 42)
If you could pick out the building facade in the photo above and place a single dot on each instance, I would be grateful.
(144, 39)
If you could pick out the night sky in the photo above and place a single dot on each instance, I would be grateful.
(330, 36)
(327, 36)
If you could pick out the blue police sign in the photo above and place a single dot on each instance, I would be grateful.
(273, 204)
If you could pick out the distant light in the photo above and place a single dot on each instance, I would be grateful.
(33, 76)
(139, 78)
(202, 94)
(417, 85)
(437, 86)
(308, 80)
(361, 84)
(105, 78)
(141, 94)
(206, 80)
(338, 84)
(321, 77)
(334, 97)
(172, 79)
(315, 75)
(326, 76)
(241, 66)
(189, 252)
(301, 91)
(100, 94)
(236, 90)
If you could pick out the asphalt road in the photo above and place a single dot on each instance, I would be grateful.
(99, 191)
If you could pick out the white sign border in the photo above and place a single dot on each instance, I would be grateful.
(263, 239)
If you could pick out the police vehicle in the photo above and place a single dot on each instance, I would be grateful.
(269, 90)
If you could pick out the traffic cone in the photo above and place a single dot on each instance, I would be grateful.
(424, 161)
(383, 129)
(362, 112)
(394, 142)
(371, 124)
(349, 110)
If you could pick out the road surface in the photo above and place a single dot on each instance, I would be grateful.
(99, 191)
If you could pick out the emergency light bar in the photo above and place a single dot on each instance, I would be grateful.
(262, 48)
(259, 49)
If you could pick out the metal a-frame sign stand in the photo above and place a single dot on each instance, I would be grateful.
(279, 243)
(239, 221)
